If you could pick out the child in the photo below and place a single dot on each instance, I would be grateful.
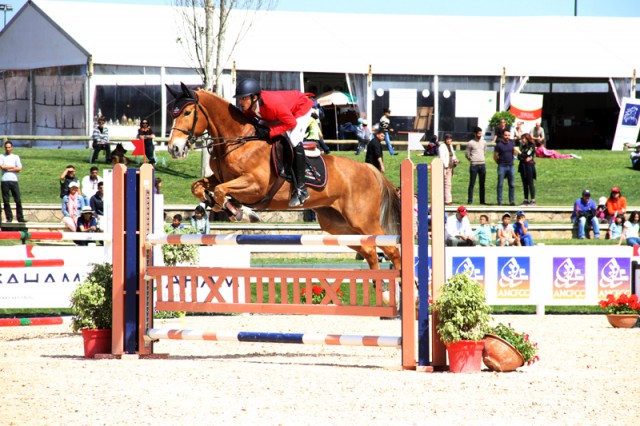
(601, 211)
(521, 229)
(505, 235)
(199, 221)
(176, 224)
(616, 227)
(483, 232)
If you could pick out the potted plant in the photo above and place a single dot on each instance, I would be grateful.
(463, 320)
(623, 311)
(505, 349)
(174, 254)
(91, 306)
(502, 115)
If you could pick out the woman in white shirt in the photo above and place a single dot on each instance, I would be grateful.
(631, 229)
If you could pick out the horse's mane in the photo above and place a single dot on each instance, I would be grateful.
(235, 112)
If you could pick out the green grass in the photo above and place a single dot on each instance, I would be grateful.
(559, 182)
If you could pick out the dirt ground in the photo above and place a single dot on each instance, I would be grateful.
(587, 375)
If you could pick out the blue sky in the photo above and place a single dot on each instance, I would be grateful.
(620, 8)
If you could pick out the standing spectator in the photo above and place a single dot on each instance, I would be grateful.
(199, 220)
(498, 131)
(538, 134)
(101, 141)
(631, 230)
(11, 166)
(72, 204)
(616, 228)
(503, 154)
(90, 184)
(97, 204)
(527, 169)
(477, 164)
(616, 204)
(68, 176)
(385, 126)
(432, 147)
(457, 230)
(521, 230)
(364, 134)
(374, 151)
(635, 157)
(517, 133)
(505, 235)
(158, 185)
(584, 210)
(483, 233)
(449, 160)
(314, 132)
(176, 223)
(145, 133)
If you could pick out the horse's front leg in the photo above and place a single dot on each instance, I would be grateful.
(244, 189)
(203, 190)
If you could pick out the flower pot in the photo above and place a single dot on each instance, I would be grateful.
(622, 320)
(500, 355)
(96, 341)
(465, 356)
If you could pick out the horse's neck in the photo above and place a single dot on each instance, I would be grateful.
(223, 120)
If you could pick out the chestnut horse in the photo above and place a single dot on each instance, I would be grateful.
(357, 198)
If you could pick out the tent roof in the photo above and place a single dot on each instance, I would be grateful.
(133, 34)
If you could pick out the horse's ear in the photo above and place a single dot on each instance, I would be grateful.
(186, 91)
(170, 90)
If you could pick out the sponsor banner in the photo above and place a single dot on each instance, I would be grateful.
(569, 281)
(526, 108)
(474, 266)
(614, 276)
(513, 278)
(628, 124)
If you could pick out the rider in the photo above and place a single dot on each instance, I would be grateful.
(279, 113)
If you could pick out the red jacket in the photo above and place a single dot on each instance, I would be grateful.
(282, 108)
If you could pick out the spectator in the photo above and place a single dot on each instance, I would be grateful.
(503, 154)
(97, 204)
(498, 131)
(90, 184)
(158, 185)
(505, 234)
(538, 134)
(314, 132)
(199, 220)
(72, 204)
(364, 135)
(449, 160)
(86, 223)
(635, 157)
(477, 164)
(457, 230)
(176, 223)
(616, 204)
(517, 133)
(483, 233)
(584, 210)
(11, 166)
(527, 169)
(631, 230)
(616, 228)
(68, 176)
(101, 141)
(521, 230)
(543, 152)
(146, 134)
(374, 151)
(601, 211)
(432, 147)
(385, 126)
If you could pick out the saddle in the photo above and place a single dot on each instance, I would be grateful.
(282, 159)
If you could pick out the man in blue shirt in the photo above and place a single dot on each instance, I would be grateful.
(584, 209)
(503, 154)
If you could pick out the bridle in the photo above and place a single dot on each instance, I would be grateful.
(191, 136)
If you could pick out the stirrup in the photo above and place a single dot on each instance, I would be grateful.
(295, 200)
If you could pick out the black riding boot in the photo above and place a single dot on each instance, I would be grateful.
(299, 194)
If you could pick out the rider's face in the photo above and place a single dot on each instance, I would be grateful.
(245, 103)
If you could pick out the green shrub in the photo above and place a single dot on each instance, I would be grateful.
(92, 300)
(502, 115)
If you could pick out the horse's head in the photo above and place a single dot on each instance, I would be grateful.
(189, 122)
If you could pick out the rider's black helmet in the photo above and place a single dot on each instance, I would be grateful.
(248, 87)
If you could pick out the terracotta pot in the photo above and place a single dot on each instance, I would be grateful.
(465, 356)
(500, 355)
(96, 341)
(622, 320)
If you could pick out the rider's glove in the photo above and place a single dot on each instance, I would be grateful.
(262, 132)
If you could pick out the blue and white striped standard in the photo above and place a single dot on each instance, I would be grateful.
(264, 337)
(300, 240)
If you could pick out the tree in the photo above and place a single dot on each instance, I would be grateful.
(205, 24)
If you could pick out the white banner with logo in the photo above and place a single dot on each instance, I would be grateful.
(628, 124)
(526, 108)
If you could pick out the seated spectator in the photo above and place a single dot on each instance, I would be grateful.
(601, 211)
(631, 230)
(72, 204)
(457, 230)
(432, 147)
(199, 220)
(68, 176)
(584, 210)
(483, 233)
(97, 203)
(90, 184)
(543, 152)
(616, 204)
(616, 228)
(347, 129)
(176, 223)
(635, 157)
(521, 229)
(505, 234)
(86, 223)
(363, 134)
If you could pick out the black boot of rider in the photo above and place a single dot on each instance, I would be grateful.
(299, 194)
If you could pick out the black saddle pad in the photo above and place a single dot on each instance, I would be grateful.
(282, 158)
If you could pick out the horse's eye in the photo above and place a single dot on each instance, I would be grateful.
(187, 113)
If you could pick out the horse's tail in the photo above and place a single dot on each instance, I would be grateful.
(389, 205)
